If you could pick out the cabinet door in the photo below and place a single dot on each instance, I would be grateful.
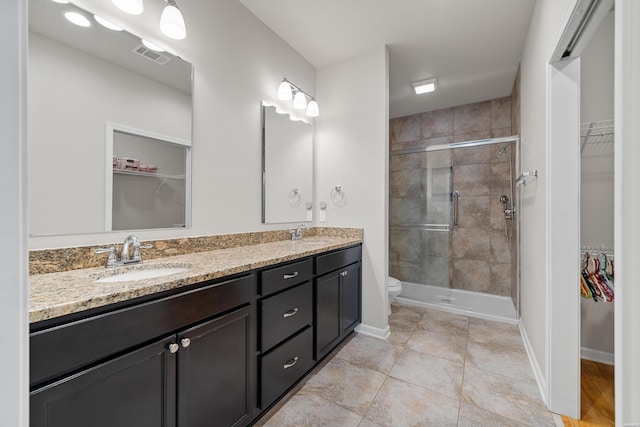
(328, 329)
(216, 371)
(136, 390)
(351, 310)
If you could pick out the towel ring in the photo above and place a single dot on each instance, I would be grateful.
(337, 195)
(294, 196)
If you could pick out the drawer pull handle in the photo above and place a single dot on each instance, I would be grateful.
(290, 313)
(291, 276)
(291, 362)
(173, 347)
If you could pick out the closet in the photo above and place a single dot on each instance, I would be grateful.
(597, 278)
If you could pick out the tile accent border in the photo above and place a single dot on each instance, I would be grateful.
(66, 259)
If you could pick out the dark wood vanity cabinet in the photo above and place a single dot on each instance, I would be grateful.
(214, 354)
(338, 297)
(286, 319)
(203, 369)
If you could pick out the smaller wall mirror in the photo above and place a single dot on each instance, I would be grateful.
(287, 168)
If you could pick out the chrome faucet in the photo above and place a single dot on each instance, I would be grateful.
(126, 255)
(297, 233)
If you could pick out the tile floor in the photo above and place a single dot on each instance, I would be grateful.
(436, 369)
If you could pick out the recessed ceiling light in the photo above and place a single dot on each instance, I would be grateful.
(424, 86)
(77, 19)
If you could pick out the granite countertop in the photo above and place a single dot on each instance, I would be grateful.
(57, 294)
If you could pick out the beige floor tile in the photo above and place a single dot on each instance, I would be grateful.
(308, 409)
(517, 400)
(510, 363)
(503, 334)
(372, 353)
(399, 336)
(433, 373)
(448, 346)
(472, 416)
(402, 404)
(443, 322)
(346, 384)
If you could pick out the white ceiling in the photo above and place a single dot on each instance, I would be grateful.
(472, 46)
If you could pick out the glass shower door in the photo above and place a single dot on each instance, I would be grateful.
(420, 218)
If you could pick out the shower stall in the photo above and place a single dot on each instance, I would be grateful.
(453, 231)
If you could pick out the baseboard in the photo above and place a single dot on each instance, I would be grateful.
(374, 332)
(537, 372)
(597, 356)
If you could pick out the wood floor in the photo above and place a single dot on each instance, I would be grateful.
(596, 402)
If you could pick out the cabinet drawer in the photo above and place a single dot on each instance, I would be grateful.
(279, 278)
(285, 313)
(337, 259)
(285, 365)
(65, 348)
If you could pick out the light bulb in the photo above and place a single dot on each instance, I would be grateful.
(312, 109)
(172, 22)
(77, 19)
(107, 24)
(284, 91)
(132, 7)
(299, 101)
(152, 46)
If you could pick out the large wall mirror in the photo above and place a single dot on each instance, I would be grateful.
(287, 154)
(83, 83)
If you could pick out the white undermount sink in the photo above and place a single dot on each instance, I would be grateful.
(148, 273)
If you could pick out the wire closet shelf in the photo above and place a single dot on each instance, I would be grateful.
(596, 132)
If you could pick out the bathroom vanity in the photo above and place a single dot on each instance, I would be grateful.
(212, 346)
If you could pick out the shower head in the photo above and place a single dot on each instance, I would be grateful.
(504, 149)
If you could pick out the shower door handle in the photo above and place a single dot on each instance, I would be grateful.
(456, 195)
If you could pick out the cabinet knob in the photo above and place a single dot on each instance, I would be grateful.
(291, 276)
(344, 273)
(186, 342)
(173, 347)
(291, 362)
(290, 313)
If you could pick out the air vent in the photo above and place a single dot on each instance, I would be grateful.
(151, 55)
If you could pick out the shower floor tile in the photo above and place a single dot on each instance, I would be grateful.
(436, 369)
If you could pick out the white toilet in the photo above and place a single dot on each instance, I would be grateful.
(395, 287)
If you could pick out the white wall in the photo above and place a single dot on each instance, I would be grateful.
(238, 61)
(597, 180)
(352, 148)
(14, 359)
(543, 33)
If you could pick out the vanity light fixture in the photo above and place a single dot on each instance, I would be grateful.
(172, 21)
(107, 24)
(132, 7)
(424, 86)
(152, 46)
(288, 91)
(78, 19)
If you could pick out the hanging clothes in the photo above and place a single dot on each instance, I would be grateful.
(596, 278)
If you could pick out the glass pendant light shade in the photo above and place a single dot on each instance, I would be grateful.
(107, 24)
(299, 101)
(284, 91)
(132, 7)
(312, 109)
(78, 19)
(172, 22)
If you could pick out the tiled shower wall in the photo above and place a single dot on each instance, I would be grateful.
(477, 255)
